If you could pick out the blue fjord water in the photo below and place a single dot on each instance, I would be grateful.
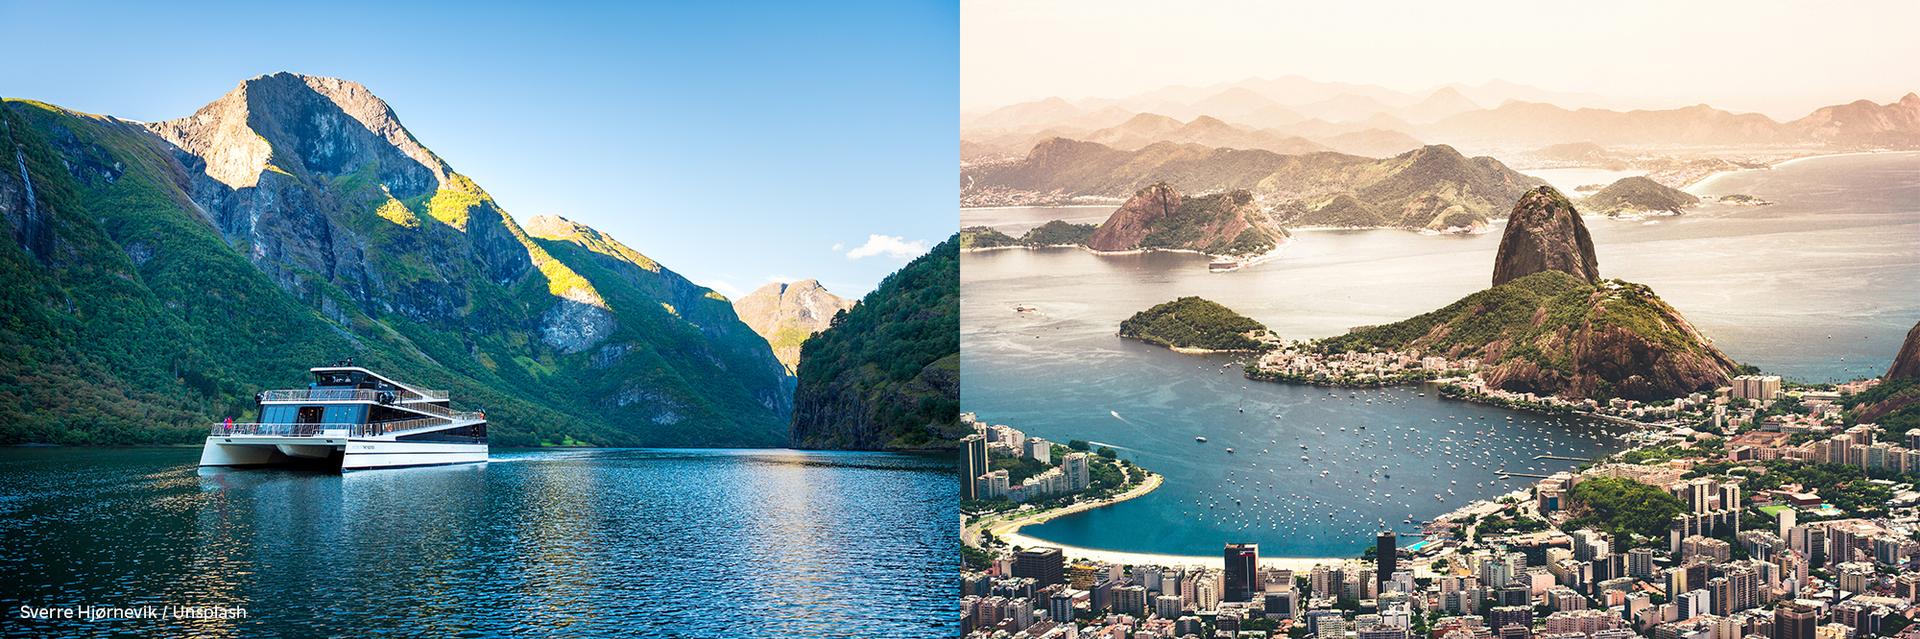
(683, 543)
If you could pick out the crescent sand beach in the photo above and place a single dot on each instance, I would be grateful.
(1007, 529)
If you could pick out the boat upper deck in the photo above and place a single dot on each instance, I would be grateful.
(348, 376)
(345, 396)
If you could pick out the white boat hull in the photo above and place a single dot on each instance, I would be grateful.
(337, 453)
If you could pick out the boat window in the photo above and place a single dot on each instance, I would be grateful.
(278, 414)
(346, 414)
(308, 415)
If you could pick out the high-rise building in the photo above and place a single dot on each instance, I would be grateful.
(1640, 562)
(1760, 387)
(1504, 616)
(1060, 607)
(1888, 550)
(1079, 474)
(1386, 547)
(975, 448)
(1283, 604)
(1243, 567)
(1730, 496)
(1168, 606)
(1039, 450)
(1697, 495)
(1045, 565)
(1794, 620)
(1130, 600)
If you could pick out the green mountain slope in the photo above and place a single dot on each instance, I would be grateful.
(161, 274)
(887, 374)
(1053, 233)
(1551, 333)
(1195, 323)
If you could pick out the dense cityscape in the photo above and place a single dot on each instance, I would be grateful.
(1763, 509)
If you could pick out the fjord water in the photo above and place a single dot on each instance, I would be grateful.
(1818, 287)
(575, 543)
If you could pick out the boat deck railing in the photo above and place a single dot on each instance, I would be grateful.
(439, 410)
(349, 394)
(284, 429)
(402, 399)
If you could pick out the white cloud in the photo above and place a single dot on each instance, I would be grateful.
(838, 247)
(889, 245)
(726, 288)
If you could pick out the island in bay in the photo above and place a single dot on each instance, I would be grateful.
(1192, 324)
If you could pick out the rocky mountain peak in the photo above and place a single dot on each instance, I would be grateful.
(1124, 229)
(786, 314)
(1907, 363)
(1544, 233)
(304, 125)
(553, 227)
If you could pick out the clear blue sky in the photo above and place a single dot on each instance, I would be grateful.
(733, 144)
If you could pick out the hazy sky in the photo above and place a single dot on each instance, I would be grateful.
(733, 143)
(1776, 57)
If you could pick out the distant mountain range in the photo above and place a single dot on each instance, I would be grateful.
(787, 313)
(1432, 187)
(1274, 102)
(1146, 129)
(1486, 116)
(158, 275)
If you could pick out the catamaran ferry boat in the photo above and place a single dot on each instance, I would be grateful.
(350, 418)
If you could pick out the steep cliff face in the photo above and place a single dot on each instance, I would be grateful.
(787, 313)
(1906, 363)
(26, 215)
(1131, 223)
(1160, 217)
(370, 246)
(311, 174)
(1544, 233)
(886, 375)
